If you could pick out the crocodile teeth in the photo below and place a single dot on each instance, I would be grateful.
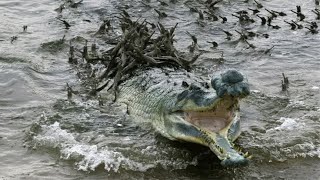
(246, 154)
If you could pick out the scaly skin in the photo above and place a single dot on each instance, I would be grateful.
(157, 96)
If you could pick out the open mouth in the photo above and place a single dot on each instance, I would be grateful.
(215, 119)
(218, 127)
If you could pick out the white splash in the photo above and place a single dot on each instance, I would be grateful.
(91, 157)
(87, 157)
(288, 124)
(315, 153)
(53, 136)
(255, 91)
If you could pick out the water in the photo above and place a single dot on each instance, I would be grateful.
(43, 135)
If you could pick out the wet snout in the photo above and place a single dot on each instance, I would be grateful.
(234, 160)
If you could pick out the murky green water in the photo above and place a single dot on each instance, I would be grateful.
(45, 136)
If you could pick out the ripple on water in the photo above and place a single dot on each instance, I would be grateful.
(280, 131)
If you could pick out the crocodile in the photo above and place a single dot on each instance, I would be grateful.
(181, 106)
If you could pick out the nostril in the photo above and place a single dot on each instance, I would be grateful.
(246, 90)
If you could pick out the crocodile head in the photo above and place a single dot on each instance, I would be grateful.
(211, 118)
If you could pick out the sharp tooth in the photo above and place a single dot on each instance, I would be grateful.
(238, 149)
(249, 157)
(221, 150)
(246, 154)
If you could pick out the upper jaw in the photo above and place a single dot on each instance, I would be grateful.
(229, 84)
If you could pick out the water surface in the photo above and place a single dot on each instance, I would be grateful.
(43, 135)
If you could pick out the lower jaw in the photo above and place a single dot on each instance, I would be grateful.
(224, 149)
(216, 129)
